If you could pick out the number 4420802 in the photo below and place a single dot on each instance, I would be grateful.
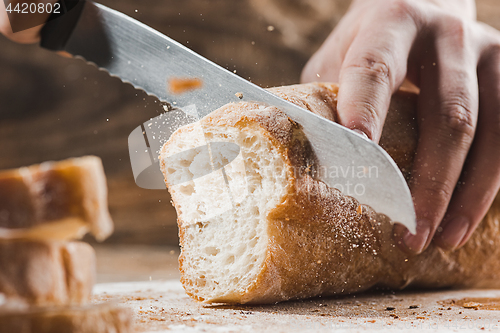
(34, 8)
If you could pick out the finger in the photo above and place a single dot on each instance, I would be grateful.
(373, 68)
(325, 64)
(480, 181)
(447, 111)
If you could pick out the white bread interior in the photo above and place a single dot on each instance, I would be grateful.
(226, 259)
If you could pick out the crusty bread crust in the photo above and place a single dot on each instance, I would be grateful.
(37, 273)
(55, 200)
(101, 318)
(321, 242)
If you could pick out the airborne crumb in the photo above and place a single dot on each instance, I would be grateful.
(182, 85)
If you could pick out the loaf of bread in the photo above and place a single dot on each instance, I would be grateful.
(261, 229)
(102, 318)
(39, 273)
(55, 200)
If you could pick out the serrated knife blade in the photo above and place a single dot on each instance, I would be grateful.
(142, 56)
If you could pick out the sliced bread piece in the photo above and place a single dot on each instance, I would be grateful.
(101, 318)
(55, 200)
(39, 273)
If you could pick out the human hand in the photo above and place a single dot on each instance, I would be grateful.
(31, 35)
(455, 61)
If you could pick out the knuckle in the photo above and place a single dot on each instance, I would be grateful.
(487, 33)
(401, 8)
(375, 67)
(437, 192)
(457, 118)
(457, 28)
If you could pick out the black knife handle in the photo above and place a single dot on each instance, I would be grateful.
(56, 32)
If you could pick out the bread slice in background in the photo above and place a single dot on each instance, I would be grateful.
(102, 318)
(40, 273)
(263, 230)
(55, 200)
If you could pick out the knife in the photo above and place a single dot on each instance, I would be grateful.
(147, 59)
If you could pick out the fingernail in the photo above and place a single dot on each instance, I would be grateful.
(454, 232)
(363, 134)
(416, 243)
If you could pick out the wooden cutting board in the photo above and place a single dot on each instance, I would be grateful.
(163, 306)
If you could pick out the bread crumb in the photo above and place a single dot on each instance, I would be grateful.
(270, 28)
(182, 85)
(293, 122)
(471, 305)
(239, 95)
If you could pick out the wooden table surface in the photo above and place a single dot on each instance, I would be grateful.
(146, 279)
(163, 306)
